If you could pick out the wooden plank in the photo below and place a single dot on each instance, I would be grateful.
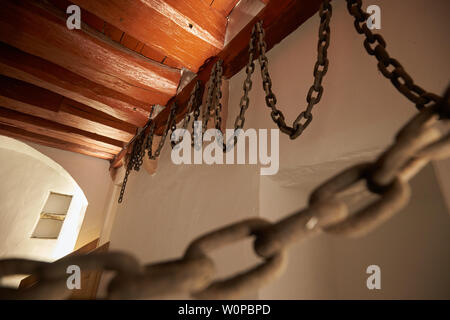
(27, 98)
(187, 31)
(43, 32)
(224, 6)
(130, 42)
(26, 67)
(59, 131)
(90, 279)
(280, 18)
(153, 54)
(24, 135)
(113, 33)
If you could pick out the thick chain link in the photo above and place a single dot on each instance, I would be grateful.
(376, 46)
(421, 140)
(320, 69)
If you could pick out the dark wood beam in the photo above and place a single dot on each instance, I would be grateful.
(32, 100)
(59, 131)
(187, 31)
(40, 29)
(20, 134)
(280, 18)
(20, 65)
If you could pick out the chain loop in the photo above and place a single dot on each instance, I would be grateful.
(376, 46)
(192, 107)
(216, 91)
(320, 69)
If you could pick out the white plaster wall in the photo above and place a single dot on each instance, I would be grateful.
(359, 114)
(27, 177)
(92, 175)
(161, 214)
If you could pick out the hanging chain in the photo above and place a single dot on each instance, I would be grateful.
(218, 95)
(420, 141)
(192, 107)
(136, 158)
(134, 162)
(247, 86)
(244, 102)
(170, 124)
(376, 46)
(149, 142)
(196, 113)
(144, 142)
(316, 90)
(140, 151)
(415, 145)
(209, 98)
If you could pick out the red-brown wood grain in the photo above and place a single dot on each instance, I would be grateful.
(23, 66)
(27, 98)
(20, 134)
(59, 131)
(223, 6)
(38, 29)
(185, 31)
(280, 18)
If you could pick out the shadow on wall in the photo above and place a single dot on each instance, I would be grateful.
(41, 206)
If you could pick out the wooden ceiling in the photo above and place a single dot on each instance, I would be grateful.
(88, 90)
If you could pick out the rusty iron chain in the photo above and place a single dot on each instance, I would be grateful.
(196, 115)
(192, 107)
(244, 102)
(423, 139)
(144, 142)
(376, 46)
(134, 162)
(218, 95)
(169, 125)
(316, 90)
(209, 97)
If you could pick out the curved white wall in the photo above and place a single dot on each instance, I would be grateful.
(27, 177)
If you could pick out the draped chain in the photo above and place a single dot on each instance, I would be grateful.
(320, 69)
(376, 46)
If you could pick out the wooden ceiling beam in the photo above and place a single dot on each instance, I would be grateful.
(59, 131)
(223, 6)
(187, 31)
(43, 32)
(20, 134)
(280, 18)
(20, 65)
(32, 100)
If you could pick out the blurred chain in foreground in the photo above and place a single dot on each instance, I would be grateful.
(421, 140)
